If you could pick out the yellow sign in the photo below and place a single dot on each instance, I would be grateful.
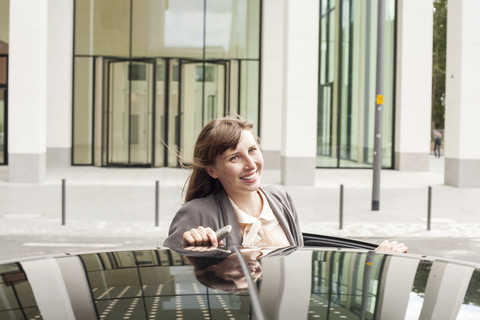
(379, 99)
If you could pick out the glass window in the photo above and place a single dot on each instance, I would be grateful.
(347, 88)
(2, 126)
(4, 29)
(167, 28)
(326, 125)
(171, 123)
(102, 27)
(4, 22)
(249, 91)
(232, 29)
(389, 75)
(83, 111)
(190, 61)
(3, 71)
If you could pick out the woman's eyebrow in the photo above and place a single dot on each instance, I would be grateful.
(227, 154)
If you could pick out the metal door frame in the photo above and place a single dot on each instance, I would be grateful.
(106, 107)
(226, 91)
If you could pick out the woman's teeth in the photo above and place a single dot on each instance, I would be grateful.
(250, 177)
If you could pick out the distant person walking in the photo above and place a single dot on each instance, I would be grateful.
(438, 144)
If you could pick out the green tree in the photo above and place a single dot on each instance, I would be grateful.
(439, 63)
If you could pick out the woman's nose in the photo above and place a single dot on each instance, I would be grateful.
(249, 162)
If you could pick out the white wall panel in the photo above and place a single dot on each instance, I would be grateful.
(414, 76)
(59, 85)
(27, 77)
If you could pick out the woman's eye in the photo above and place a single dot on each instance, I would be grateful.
(252, 150)
(233, 158)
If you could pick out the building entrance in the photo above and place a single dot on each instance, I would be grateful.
(129, 112)
(153, 109)
(148, 75)
(203, 95)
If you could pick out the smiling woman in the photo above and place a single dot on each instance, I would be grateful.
(225, 188)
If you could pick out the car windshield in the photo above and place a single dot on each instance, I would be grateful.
(239, 283)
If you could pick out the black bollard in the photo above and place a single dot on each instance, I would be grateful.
(341, 207)
(157, 203)
(63, 202)
(429, 210)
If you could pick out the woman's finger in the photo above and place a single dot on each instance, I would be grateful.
(192, 238)
(187, 239)
(202, 232)
(212, 237)
(198, 236)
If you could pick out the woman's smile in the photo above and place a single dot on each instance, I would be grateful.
(250, 177)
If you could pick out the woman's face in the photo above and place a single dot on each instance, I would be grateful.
(239, 170)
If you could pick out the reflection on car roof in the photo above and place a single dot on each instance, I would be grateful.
(283, 283)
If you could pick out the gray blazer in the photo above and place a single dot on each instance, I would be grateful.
(216, 211)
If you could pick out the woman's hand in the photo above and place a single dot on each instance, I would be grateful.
(394, 246)
(200, 236)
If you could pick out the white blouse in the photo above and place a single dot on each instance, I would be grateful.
(264, 230)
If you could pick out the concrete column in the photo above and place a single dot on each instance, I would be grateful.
(59, 83)
(272, 86)
(413, 85)
(462, 112)
(300, 90)
(27, 81)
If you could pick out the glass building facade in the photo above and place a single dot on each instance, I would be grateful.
(346, 88)
(148, 74)
(4, 21)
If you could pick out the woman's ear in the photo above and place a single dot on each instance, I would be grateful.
(211, 172)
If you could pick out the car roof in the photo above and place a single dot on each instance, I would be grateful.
(294, 283)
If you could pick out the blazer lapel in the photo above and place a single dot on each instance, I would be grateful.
(228, 217)
(277, 209)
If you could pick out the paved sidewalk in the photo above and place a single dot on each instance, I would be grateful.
(110, 207)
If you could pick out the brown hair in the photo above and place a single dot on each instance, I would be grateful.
(216, 137)
(209, 277)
